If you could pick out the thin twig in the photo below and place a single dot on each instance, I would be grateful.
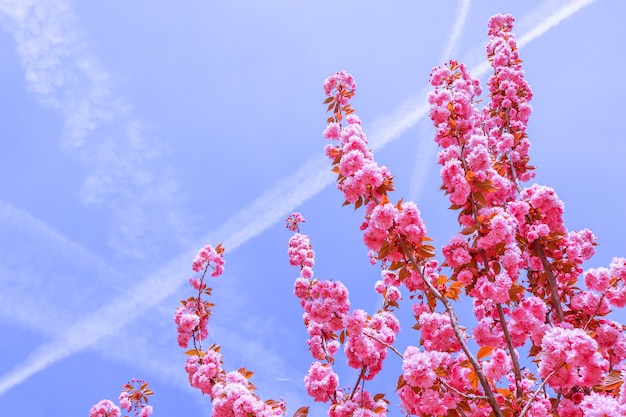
(468, 396)
(387, 345)
(358, 381)
(532, 398)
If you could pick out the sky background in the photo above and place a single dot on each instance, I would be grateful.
(133, 133)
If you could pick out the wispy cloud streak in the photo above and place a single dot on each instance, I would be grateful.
(99, 128)
(426, 148)
(457, 29)
(262, 213)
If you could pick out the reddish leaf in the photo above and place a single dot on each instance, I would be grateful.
(301, 412)
(484, 352)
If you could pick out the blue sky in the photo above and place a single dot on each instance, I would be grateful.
(133, 133)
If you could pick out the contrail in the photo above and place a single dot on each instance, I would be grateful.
(425, 148)
(12, 218)
(457, 28)
(273, 205)
(99, 128)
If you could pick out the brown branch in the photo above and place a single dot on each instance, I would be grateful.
(507, 336)
(358, 381)
(554, 289)
(509, 343)
(454, 322)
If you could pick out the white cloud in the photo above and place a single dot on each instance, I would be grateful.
(99, 128)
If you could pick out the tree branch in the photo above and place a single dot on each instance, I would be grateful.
(454, 322)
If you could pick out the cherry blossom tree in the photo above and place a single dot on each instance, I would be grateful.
(543, 344)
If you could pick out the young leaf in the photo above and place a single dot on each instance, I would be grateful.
(301, 412)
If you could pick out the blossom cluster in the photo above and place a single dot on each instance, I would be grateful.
(508, 112)
(192, 317)
(368, 340)
(329, 323)
(360, 178)
(232, 394)
(133, 398)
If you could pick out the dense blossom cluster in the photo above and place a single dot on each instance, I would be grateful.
(513, 256)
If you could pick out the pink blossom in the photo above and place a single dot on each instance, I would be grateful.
(617, 296)
(383, 216)
(233, 397)
(590, 303)
(105, 408)
(570, 357)
(528, 319)
(209, 257)
(428, 401)
(361, 404)
(618, 268)
(496, 290)
(293, 220)
(489, 333)
(437, 332)
(125, 402)
(547, 204)
(146, 411)
(321, 382)
(600, 405)
(351, 162)
(203, 371)
(502, 228)
(454, 181)
(410, 224)
(457, 251)
(332, 131)
(498, 366)
(540, 408)
(419, 367)
(617, 293)
(579, 246)
(336, 82)
(368, 338)
(327, 303)
(300, 251)
(568, 408)
(612, 340)
(192, 320)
